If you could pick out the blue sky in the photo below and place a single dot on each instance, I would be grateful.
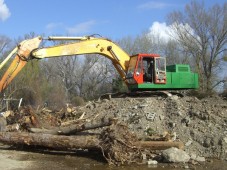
(109, 18)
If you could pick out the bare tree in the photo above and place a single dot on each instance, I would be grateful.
(4, 43)
(63, 69)
(151, 42)
(128, 44)
(202, 32)
(174, 53)
(143, 43)
(96, 77)
(80, 75)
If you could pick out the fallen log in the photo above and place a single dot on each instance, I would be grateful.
(159, 145)
(75, 142)
(72, 129)
(50, 141)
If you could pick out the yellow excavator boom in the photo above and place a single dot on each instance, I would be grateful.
(87, 45)
(29, 49)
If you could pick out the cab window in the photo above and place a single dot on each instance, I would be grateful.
(132, 65)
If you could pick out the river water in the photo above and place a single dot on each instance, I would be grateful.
(86, 161)
(35, 159)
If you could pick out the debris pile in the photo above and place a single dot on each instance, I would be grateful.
(118, 144)
(122, 126)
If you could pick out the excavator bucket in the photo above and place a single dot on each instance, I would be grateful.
(20, 60)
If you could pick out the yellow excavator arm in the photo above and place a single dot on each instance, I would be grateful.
(29, 49)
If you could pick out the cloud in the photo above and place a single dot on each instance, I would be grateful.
(80, 28)
(161, 30)
(168, 32)
(4, 11)
(154, 5)
(52, 26)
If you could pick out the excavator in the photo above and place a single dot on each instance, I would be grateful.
(140, 72)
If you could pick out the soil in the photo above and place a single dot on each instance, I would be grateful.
(200, 124)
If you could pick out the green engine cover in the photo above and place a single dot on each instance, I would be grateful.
(178, 77)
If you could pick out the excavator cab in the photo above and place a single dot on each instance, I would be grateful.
(146, 68)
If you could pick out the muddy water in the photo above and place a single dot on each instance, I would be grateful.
(39, 159)
(85, 161)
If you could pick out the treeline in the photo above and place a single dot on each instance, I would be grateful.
(198, 36)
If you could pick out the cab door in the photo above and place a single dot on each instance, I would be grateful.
(160, 70)
(135, 73)
(138, 74)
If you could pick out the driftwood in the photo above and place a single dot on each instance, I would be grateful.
(72, 129)
(50, 141)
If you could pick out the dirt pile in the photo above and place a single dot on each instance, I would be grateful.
(200, 124)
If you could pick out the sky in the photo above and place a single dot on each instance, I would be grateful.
(110, 18)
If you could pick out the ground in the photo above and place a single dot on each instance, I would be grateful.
(201, 124)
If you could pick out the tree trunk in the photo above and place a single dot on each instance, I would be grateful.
(50, 141)
(72, 129)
